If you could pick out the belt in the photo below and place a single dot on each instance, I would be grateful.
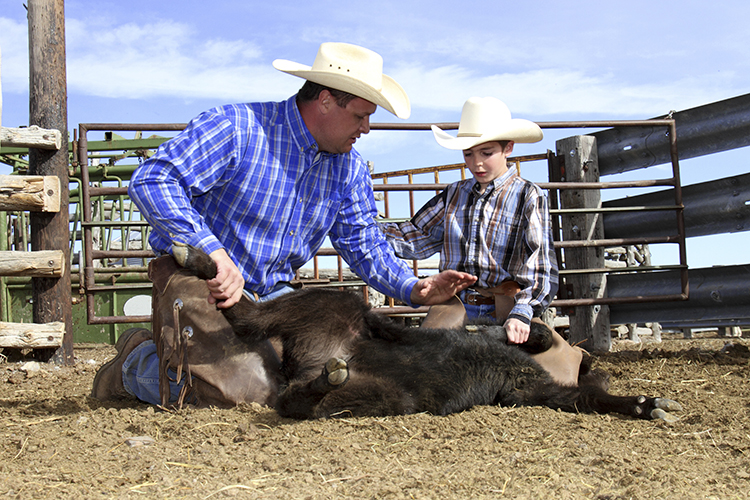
(477, 299)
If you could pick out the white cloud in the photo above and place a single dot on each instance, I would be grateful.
(14, 65)
(540, 76)
(166, 59)
(560, 91)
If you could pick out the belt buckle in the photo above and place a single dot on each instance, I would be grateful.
(474, 298)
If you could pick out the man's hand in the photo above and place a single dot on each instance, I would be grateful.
(226, 288)
(438, 288)
(517, 331)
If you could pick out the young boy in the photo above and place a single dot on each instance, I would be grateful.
(495, 226)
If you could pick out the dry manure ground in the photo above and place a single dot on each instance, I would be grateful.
(59, 443)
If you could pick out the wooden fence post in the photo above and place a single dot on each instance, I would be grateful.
(48, 109)
(589, 326)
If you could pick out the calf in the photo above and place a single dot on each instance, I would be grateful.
(340, 358)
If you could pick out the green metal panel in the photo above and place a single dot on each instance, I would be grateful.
(106, 164)
(106, 304)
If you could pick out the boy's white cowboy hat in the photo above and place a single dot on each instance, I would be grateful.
(485, 119)
(352, 69)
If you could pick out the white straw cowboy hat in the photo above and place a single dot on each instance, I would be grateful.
(352, 69)
(485, 119)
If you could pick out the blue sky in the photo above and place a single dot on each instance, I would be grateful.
(148, 62)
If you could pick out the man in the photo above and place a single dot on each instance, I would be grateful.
(260, 186)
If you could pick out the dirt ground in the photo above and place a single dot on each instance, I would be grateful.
(59, 443)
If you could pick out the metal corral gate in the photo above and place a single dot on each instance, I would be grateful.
(108, 267)
(718, 296)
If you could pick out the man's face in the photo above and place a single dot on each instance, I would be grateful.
(343, 126)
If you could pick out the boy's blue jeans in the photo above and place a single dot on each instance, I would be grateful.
(480, 311)
(140, 371)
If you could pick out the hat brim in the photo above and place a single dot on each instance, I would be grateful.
(516, 130)
(391, 97)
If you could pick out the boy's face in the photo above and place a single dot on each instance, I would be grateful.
(487, 161)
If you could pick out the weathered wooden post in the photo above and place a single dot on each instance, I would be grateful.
(48, 106)
(589, 326)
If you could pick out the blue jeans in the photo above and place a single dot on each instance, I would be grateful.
(480, 311)
(140, 371)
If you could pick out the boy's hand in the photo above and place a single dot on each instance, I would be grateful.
(517, 331)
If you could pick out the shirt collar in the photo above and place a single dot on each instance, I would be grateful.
(302, 137)
(496, 183)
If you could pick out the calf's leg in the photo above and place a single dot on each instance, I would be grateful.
(336, 393)
(593, 399)
(300, 399)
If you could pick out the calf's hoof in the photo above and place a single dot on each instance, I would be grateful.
(337, 371)
(660, 408)
(194, 259)
(180, 252)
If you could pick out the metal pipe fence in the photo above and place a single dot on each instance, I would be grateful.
(100, 231)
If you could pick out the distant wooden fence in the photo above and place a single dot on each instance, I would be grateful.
(32, 193)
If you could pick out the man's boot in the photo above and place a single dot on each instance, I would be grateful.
(108, 380)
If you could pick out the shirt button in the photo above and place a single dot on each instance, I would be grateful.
(291, 233)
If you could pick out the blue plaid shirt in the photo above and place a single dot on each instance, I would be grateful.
(249, 178)
(503, 233)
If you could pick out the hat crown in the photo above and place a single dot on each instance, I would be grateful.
(481, 115)
(353, 69)
(352, 61)
(487, 119)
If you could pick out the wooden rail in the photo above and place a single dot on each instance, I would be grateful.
(33, 193)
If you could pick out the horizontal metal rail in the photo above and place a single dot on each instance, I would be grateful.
(114, 223)
(604, 210)
(699, 131)
(718, 296)
(88, 224)
(714, 207)
(673, 182)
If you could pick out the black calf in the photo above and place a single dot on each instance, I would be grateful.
(374, 366)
